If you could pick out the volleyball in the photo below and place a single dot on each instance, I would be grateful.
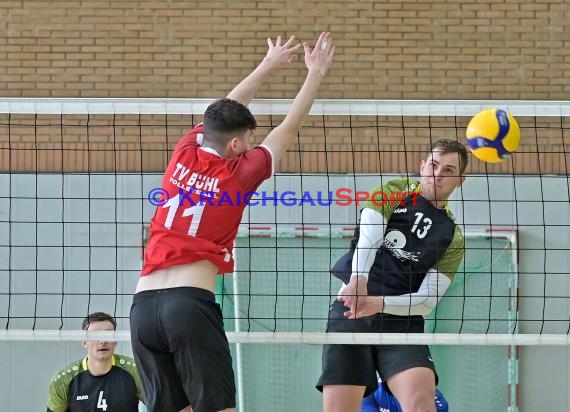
(492, 135)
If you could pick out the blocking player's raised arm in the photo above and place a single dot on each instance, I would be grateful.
(318, 61)
(278, 55)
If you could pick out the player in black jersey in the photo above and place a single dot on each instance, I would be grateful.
(100, 382)
(403, 257)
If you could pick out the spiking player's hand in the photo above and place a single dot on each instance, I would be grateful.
(355, 298)
(366, 306)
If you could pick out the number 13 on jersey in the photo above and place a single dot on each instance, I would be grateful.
(422, 230)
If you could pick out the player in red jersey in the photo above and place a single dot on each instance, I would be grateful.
(176, 326)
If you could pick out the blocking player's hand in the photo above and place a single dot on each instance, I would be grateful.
(320, 58)
(279, 55)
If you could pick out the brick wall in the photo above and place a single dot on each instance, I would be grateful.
(441, 49)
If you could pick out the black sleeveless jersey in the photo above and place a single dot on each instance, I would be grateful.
(418, 236)
(415, 239)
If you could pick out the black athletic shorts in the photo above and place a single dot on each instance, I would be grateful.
(358, 364)
(181, 350)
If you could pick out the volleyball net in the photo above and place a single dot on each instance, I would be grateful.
(76, 184)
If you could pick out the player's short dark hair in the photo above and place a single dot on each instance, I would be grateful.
(224, 119)
(451, 146)
(98, 317)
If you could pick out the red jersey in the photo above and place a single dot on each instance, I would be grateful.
(204, 206)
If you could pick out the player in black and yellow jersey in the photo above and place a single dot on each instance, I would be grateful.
(404, 255)
(100, 382)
